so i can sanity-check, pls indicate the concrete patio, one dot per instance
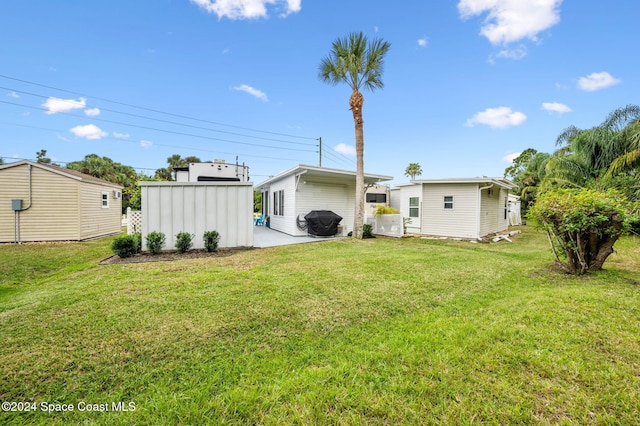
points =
(266, 237)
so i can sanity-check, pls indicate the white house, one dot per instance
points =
(213, 171)
(290, 195)
(459, 208)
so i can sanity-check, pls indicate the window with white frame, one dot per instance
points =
(448, 202)
(105, 200)
(278, 203)
(414, 206)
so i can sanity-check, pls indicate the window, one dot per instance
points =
(414, 207)
(376, 198)
(506, 208)
(448, 202)
(105, 200)
(278, 203)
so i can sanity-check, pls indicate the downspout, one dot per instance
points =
(479, 209)
(29, 206)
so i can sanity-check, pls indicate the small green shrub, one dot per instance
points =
(124, 246)
(184, 241)
(382, 209)
(138, 241)
(155, 241)
(367, 230)
(211, 239)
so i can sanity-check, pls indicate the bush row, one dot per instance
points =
(128, 245)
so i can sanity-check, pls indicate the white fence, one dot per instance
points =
(389, 225)
(133, 221)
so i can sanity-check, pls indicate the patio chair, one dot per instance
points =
(259, 221)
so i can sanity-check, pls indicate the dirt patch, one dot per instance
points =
(170, 256)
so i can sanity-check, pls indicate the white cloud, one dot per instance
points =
(92, 112)
(120, 135)
(497, 118)
(515, 54)
(510, 157)
(13, 95)
(596, 81)
(252, 91)
(90, 131)
(556, 107)
(508, 21)
(345, 149)
(146, 144)
(248, 9)
(422, 42)
(55, 105)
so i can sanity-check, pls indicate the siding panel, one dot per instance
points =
(461, 221)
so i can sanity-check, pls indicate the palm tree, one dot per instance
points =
(413, 170)
(358, 63)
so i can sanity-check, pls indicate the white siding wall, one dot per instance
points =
(287, 222)
(406, 192)
(339, 198)
(492, 211)
(226, 207)
(459, 222)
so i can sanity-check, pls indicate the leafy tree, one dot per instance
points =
(588, 155)
(583, 225)
(106, 169)
(174, 162)
(358, 63)
(1, 160)
(41, 157)
(413, 170)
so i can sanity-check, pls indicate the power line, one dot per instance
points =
(156, 144)
(154, 110)
(160, 120)
(163, 130)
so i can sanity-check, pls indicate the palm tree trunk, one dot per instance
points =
(355, 102)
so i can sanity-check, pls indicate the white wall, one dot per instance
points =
(459, 222)
(414, 225)
(196, 207)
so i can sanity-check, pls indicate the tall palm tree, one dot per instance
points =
(358, 63)
(413, 170)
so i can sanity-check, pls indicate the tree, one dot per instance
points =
(413, 170)
(358, 63)
(106, 169)
(583, 225)
(174, 162)
(41, 157)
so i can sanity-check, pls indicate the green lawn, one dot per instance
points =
(380, 331)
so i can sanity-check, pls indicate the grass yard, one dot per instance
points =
(380, 331)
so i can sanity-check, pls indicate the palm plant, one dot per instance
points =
(413, 170)
(358, 63)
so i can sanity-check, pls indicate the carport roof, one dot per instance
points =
(323, 172)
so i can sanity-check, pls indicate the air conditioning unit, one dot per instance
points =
(117, 194)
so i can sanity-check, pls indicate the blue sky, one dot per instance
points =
(468, 83)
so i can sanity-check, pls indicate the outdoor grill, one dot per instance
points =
(322, 223)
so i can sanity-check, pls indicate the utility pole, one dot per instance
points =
(320, 139)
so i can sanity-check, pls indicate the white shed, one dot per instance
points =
(469, 208)
(196, 207)
(293, 193)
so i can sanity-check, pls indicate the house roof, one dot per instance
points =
(62, 171)
(502, 182)
(323, 172)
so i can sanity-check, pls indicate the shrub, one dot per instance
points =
(382, 209)
(367, 230)
(138, 241)
(155, 241)
(124, 246)
(184, 241)
(211, 239)
(582, 225)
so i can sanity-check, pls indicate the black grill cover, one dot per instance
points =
(322, 223)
